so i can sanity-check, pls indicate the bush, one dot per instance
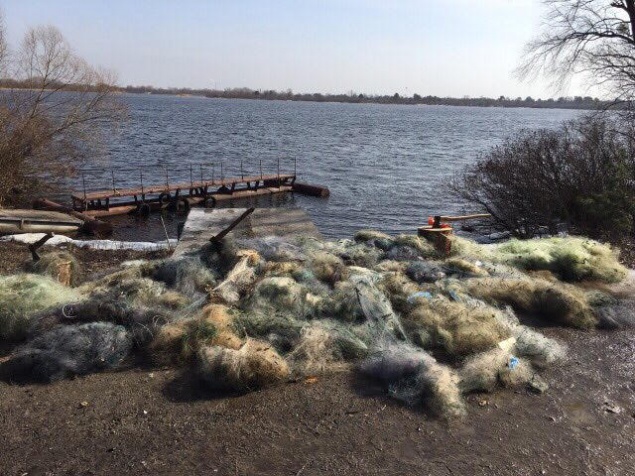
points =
(581, 175)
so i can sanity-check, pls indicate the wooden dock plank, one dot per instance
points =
(37, 221)
(202, 224)
(38, 215)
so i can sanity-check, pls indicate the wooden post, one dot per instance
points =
(65, 273)
(441, 238)
(38, 244)
(217, 238)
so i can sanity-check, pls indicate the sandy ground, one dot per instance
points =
(160, 422)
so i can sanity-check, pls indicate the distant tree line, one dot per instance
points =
(577, 102)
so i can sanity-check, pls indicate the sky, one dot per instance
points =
(430, 47)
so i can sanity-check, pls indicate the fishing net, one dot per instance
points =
(71, 350)
(252, 312)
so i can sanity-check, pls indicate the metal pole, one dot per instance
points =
(242, 176)
(191, 177)
(165, 230)
(295, 166)
(112, 173)
(261, 169)
(167, 180)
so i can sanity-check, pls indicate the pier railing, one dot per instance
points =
(154, 187)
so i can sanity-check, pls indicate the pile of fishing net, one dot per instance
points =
(252, 312)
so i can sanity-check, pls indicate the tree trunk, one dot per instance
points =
(630, 10)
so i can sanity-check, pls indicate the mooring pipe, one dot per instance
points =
(465, 217)
(311, 190)
(91, 225)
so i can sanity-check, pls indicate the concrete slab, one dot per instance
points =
(204, 223)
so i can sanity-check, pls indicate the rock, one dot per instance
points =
(422, 272)
(402, 253)
(538, 385)
(611, 408)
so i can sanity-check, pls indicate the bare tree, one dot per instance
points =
(581, 174)
(54, 120)
(595, 38)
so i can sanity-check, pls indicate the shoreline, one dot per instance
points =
(255, 95)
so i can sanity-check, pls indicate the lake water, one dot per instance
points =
(388, 166)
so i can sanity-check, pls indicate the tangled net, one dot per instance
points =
(260, 311)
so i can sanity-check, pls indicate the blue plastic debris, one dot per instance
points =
(421, 294)
(513, 362)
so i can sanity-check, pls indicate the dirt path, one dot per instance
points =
(161, 422)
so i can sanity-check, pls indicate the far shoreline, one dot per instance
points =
(569, 103)
(556, 106)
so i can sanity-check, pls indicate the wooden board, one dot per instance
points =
(37, 221)
(422, 230)
(39, 215)
(202, 224)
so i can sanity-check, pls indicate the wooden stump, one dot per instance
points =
(440, 237)
(65, 273)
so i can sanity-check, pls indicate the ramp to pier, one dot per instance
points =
(203, 223)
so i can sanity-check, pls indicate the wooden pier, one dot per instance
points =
(181, 196)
